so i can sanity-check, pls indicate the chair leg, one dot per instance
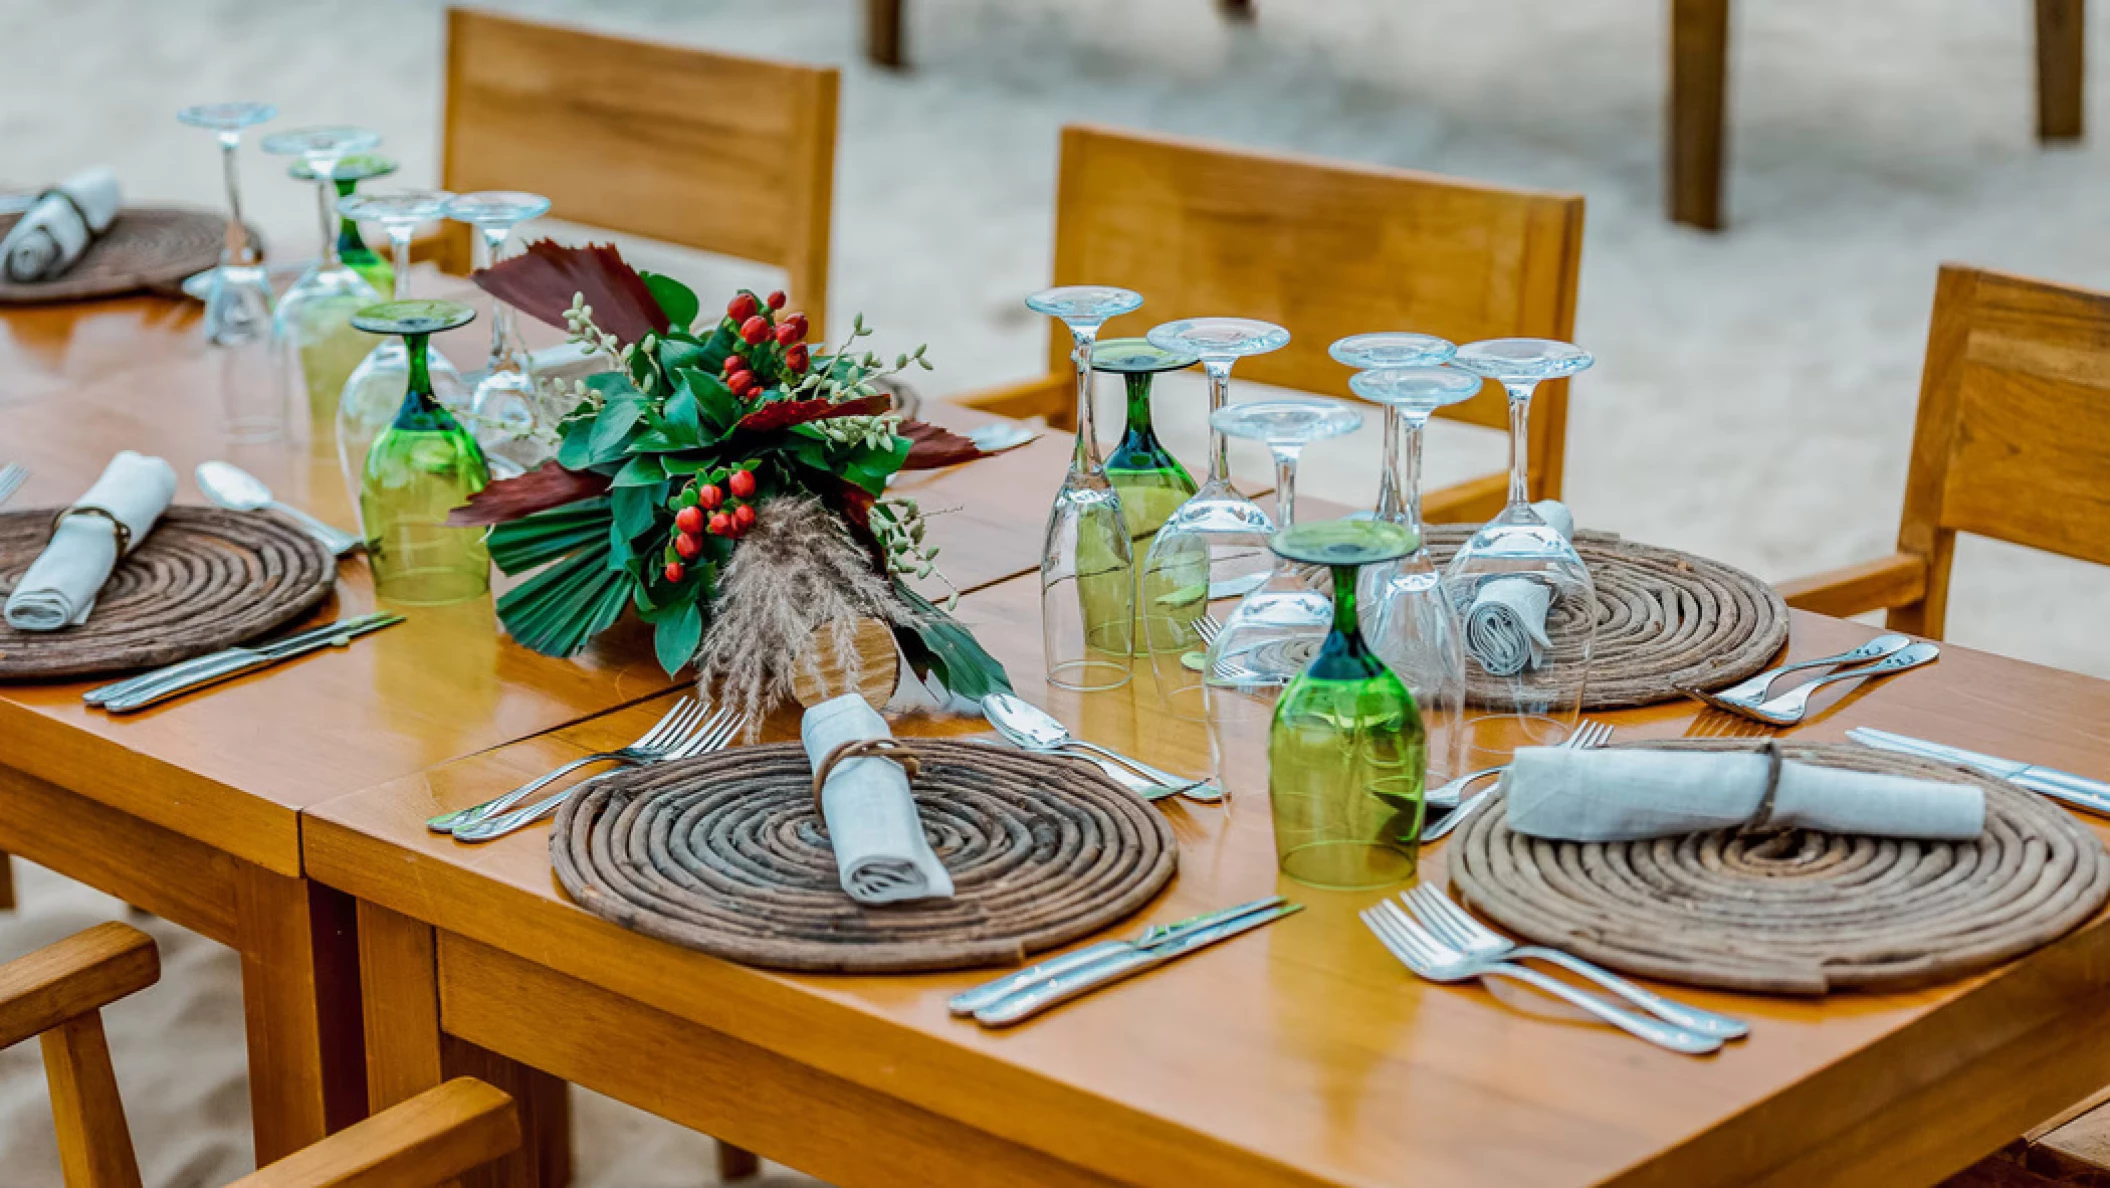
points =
(95, 1146)
(1237, 10)
(883, 34)
(7, 883)
(1699, 80)
(2061, 68)
(737, 1163)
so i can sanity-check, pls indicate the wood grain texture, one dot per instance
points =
(74, 977)
(1694, 149)
(95, 1145)
(2012, 441)
(2062, 68)
(1303, 1054)
(301, 1009)
(1322, 248)
(729, 154)
(429, 1139)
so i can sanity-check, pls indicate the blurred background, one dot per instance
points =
(1753, 398)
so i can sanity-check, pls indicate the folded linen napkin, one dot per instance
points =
(59, 589)
(50, 238)
(1627, 794)
(880, 851)
(1505, 628)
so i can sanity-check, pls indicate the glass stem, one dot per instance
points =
(1345, 621)
(238, 250)
(503, 349)
(1520, 442)
(326, 200)
(1409, 480)
(1086, 459)
(1219, 395)
(1139, 404)
(1391, 503)
(419, 392)
(1285, 485)
(399, 255)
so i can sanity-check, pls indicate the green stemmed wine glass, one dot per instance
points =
(312, 333)
(423, 466)
(351, 246)
(1347, 755)
(1150, 481)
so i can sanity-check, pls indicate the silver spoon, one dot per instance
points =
(1026, 725)
(238, 490)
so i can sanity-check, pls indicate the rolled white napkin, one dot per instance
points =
(1505, 628)
(60, 587)
(880, 852)
(50, 238)
(1627, 794)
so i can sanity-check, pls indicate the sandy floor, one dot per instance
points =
(1753, 399)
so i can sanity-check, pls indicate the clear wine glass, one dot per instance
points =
(238, 299)
(1087, 562)
(375, 389)
(1215, 545)
(502, 405)
(351, 246)
(1523, 593)
(312, 333)
(1412, 625)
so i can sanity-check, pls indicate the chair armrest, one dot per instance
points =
(1472, 502)
(450, 248)
(1897, 580)
(77, 976)
(1053, 397)
(430, 1139)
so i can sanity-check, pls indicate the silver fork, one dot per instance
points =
(1792, 706)
(1589, 734)
(12, 476)
(1456, 927)
(1753, 690)
(712, 736)
(1419, 950)
(1226, 670)
(673, 728)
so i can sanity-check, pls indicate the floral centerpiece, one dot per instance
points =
(726, 481)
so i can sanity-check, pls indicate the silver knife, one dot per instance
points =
(967, 1002)
(118, 689)
(1065, 986)
(2079, 791)
(240, 660)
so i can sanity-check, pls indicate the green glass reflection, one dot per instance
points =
(423, 466)
(352, 249)
(1149, 480)
(1347, 754)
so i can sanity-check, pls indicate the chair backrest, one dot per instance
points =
(2013, 438)
(1324, 249)
(726, 154)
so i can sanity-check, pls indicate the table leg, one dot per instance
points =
(2061, 68)
(883, 34)
(300, 999)
(1699, 68)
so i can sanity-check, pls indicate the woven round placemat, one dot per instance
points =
(725, 853)
(146, 247)
(1795, 911)
(1664, 619)
(202, 580)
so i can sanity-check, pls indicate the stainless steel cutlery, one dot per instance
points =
(236, 489)
(678, 725)
(12, 476)
(147, 689)
(1589, 733)
(1752, 691)
(967, 1002)
(1890, 654)
(1031, 728)
(2063, 786)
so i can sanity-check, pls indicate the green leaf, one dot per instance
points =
(684, 417)
(558, 610)
(676, 300)
(675, 638)
(641, 470)
(681, 352)
(632, 508)
(577, 451)
(938, 645)
(531, 541)
(611, 428)
(717, 409)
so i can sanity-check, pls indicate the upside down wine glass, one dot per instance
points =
(421, 467)
(238, 300)
(1087, 561)
(375, 389)
(1149, 480)
(1410, 621)
(312, 334)
(1525, 597)
(351, 246)
(502, 406)
(1346, 767)
(1215, 545)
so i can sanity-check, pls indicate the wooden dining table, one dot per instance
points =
(193, 809)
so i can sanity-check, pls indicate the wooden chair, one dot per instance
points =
(57, 994)
(726, 154)
(1323, 248)
(2013, 442)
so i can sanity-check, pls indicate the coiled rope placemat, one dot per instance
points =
(726, 853)
(1664, 619)
(202, 580)
(147, 247)
(1794, 911)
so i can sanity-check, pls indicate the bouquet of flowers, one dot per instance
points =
(726, 480)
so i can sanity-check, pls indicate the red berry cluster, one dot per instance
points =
(757, 327)
(719, 511)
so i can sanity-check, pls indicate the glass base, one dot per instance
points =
(1089, 676)
(1348, 865)
(1492, 739)
(432, 586)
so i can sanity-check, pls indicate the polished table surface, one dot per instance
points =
(1300, 1054)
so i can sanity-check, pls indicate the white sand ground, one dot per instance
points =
(1753, 399)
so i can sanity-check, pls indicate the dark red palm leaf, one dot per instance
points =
(931, 448)
(783, 414)
(523, 495)
(542, 281)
